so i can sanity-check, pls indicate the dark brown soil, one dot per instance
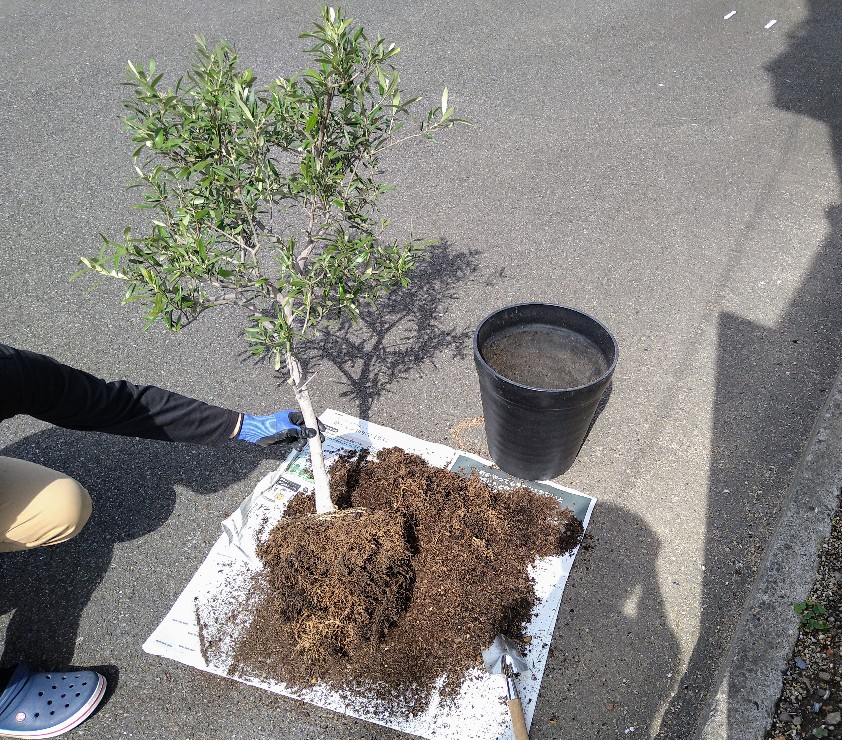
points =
(332, 585)
(412, 589)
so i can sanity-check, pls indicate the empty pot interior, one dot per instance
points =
(546, 346)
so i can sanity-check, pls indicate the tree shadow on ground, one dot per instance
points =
(133, 486)
(770, 385)
(404, 334)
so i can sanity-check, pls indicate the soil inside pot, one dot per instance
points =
(450, 573)
(544, 356)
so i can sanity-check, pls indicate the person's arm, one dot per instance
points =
(41, 387)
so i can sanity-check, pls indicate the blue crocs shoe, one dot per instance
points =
(48, 704)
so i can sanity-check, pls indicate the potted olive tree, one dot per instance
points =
(267, 197)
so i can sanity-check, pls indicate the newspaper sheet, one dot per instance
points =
(478, 712)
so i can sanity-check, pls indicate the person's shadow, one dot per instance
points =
(610, 619)
(133, 486)
(771, 382)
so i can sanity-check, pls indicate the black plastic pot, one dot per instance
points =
(542, 371)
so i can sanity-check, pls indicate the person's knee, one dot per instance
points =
(57, 514)
(73, 508)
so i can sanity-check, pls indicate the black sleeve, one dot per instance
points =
(39, 386)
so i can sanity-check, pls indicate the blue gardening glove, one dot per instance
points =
(282, 426)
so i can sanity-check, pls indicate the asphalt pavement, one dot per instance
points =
(672, 168)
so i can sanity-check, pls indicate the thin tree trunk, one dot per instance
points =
(324, 505)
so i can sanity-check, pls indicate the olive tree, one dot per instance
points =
(267, 197)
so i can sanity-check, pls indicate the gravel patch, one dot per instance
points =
(810, 704)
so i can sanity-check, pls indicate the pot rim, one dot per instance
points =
(602, 378)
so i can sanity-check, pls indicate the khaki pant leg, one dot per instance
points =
(38, 506)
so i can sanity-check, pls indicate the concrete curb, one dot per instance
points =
(750, 677)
